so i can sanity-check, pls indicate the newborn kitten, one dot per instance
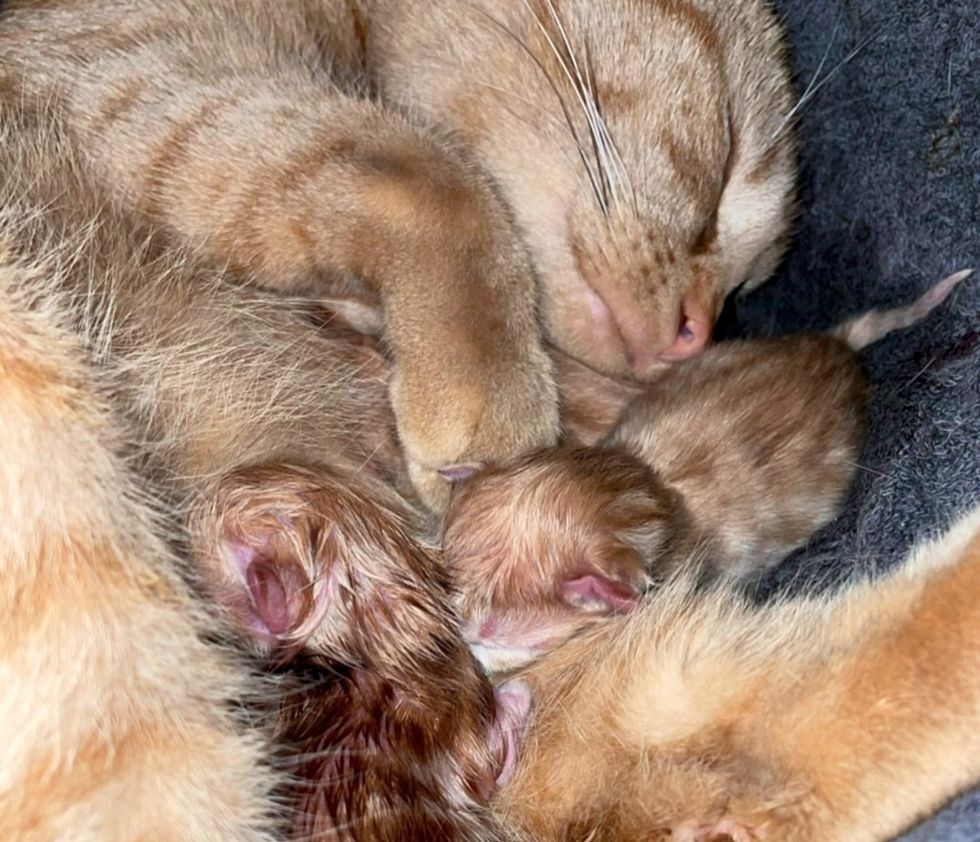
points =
(701, 718)
(729, 462)
(394, 732)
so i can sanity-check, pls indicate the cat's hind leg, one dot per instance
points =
(114, 717)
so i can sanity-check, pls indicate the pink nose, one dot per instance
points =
(644, 355)
(692, 337)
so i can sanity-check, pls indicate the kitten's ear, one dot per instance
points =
(276, 591)
(598, 594)
(612, 581)
(267, 552)
(723, 830)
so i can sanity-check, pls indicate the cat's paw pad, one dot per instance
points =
(451, 426)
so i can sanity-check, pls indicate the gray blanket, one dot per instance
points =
(890, 204)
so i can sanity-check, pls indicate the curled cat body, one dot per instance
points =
(244, 130)
(642, 149)
(165, 418)
(644, 146)
(702, 717)
(727, 464)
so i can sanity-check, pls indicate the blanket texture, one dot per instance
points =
(890, 203)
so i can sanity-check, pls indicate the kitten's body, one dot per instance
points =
(840, 719)
(727, 464)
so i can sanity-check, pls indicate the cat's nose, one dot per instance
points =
(693, 333)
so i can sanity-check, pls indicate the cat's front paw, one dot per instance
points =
(454, 419)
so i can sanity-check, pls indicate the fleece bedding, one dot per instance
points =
(889, 204)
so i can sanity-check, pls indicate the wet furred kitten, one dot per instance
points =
(390, 730)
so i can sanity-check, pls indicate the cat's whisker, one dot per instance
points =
(816, 84)
(595, 179)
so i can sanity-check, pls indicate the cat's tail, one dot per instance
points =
(873, 325)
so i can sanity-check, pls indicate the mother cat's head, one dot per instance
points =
(645, 148)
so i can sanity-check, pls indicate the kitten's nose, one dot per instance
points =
(693, 334)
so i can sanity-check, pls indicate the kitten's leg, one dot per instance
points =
(241, 144)
(114, 725)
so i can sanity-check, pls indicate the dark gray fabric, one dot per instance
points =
(890, 204)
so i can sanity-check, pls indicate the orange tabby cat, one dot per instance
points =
(114, 712)
(246, 130)
(242, 128)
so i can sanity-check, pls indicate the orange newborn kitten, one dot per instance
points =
(731, 461)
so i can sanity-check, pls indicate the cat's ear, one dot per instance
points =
(599, 594)
(275, 591)
(267, 549)
(611, 583)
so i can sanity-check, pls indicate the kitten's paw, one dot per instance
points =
(453, 420)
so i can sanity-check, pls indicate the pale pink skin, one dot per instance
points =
(509, 639)
(513, 711)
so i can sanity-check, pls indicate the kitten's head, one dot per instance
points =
(305, 567)
(549, 545)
